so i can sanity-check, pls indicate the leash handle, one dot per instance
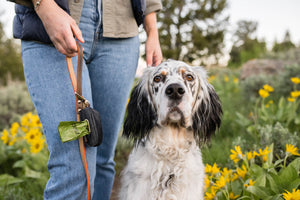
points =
(77, 87)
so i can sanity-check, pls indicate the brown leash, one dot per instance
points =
(77, 87)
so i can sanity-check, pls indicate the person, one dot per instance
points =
(109, 35)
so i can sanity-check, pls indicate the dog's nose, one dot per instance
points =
(175, 91)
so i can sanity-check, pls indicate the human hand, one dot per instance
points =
(60, 26)
(153, 50)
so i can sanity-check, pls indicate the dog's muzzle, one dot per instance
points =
(175, 91)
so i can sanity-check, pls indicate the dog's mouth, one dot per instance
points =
(175, 117)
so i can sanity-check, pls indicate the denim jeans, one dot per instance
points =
(108, 73)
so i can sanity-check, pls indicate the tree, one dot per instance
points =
(246, 46)
(10, 59)
(192, 29)
(285, 45)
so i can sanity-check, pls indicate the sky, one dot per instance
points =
(274, 18)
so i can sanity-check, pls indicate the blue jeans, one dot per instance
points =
(108, 73)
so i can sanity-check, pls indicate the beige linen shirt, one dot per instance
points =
(118, 19)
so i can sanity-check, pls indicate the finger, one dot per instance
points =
(77, 32)
(157, 59)
(149, 58)
(157, 62)
(62, 50)
(70, 43)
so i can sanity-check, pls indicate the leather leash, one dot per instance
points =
(77, 87)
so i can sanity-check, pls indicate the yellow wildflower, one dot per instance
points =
(295, 80)
(236, 154)
(225, 172)
(208, 168)
(5, 136)
(212, 169)
(250, 114)
(215, 169)
(268, 88)
(36, 146)
(250, 155)
(25, 120)
(242, 172)
(235, 80)
(263, 93)
(220, 183)
(267, 105)
(226, 78)
(251, 182)
(234, 176)
(295, 94)
(32, 135)
(209, 196)
(232, 196)
(14, 128)
(290, 99)
(207, 182)
(35, 121)
(295, 195)
(23, 150)
(292, 149)
(211, 78)
(264, 153)
(12, 141)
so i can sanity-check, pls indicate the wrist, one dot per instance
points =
(41, 6)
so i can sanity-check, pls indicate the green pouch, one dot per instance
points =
(70, 130)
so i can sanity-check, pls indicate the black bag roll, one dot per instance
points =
(95, 137)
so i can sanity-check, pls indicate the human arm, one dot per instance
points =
(153, 50)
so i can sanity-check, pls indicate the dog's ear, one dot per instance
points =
(141, 116)
(207, 114)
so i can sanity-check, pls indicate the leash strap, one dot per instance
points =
(77, 87)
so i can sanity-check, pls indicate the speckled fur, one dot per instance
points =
(166, 162)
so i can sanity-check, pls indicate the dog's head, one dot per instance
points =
(173, 94)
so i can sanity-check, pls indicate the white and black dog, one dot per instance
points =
(171, 111)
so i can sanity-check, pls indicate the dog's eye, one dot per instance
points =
(189, 77)
(157, 79)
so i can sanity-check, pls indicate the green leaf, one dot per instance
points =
(242, 120)
(19, 164)
(296, 164)
(236, 187)
(261, 180)
(257, 170)
(273, 185)
(260, 192)
(286, 176)
(294, 184)
(6, 179)
(32, 174)
(276, 197)
(297, 120)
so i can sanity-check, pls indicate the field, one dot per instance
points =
(254, 155)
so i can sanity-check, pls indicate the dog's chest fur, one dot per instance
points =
(167, 166)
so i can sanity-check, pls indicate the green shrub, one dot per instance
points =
(255, 176)
(281, 83)
(14, 101)
(23, 160)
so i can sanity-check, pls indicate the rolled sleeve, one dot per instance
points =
(153, 6)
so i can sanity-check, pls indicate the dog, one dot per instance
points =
(171, 112)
